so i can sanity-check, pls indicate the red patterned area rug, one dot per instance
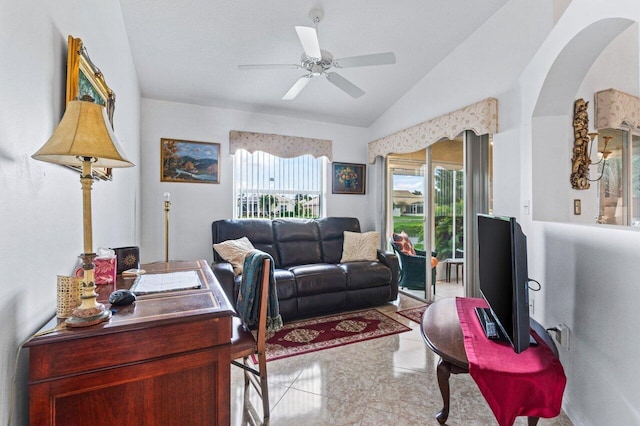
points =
(414, 314)
(315, 334)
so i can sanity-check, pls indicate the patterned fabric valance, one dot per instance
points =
(481, 117)
(614, 107)
(279, 145)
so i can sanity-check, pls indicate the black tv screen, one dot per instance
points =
(503, 276)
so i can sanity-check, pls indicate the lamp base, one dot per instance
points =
(81, 319)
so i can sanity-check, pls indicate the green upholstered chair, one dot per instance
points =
(413, 268)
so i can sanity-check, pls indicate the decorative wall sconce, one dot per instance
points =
(583, 147)
(604, 154)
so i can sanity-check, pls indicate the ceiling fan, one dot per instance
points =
(319, 62)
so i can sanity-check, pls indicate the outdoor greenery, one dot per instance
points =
(270, 207)
(443, 236)
(412, 225)
(444, 205)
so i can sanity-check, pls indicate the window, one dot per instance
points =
(267, 186)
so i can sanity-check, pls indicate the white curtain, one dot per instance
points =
(481, 118)
(280, 145)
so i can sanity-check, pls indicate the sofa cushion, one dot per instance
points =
(332, 236)
(285, 284)
(297, 241)
(366, 274)
(234, 252)
(360, 247)
(322, 304)
(258, 231)
(319, 278)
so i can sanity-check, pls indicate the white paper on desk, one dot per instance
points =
(154, 283)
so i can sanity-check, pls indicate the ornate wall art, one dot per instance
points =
(580, 161)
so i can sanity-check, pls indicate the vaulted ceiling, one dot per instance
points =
(190, 51)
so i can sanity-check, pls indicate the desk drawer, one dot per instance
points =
(126, 346)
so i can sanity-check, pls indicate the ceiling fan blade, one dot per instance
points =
(296, 88)
(366, 60)
(344, 84)
(309, 39)
(269, 67)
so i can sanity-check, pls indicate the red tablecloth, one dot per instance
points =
(527, 384)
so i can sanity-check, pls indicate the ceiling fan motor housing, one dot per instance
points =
(317, 67)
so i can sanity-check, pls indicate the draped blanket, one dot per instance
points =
(527, 384)
(248, 302)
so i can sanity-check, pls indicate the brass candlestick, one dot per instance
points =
(90, 311)
(167, 203)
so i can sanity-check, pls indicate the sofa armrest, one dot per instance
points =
(223, 272)
(390, 260)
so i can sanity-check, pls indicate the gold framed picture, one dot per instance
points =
(189, 161)
(86, 82)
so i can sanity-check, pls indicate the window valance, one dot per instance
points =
(614, 107)
(279, 145)
(481, 118)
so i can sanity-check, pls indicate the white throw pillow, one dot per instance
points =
(360, 246)
(234, 252)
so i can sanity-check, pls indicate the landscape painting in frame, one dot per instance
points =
(189, 161)
(348, 178)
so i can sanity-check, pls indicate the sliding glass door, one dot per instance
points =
(434, 196)
(407, 181)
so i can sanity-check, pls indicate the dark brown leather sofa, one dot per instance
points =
(310, 279)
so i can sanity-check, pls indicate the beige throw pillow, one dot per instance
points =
(360, 246)
(234, 252)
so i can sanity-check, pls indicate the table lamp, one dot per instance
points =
(84, 138)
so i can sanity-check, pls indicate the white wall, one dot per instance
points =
(616, 66)
(195, 206)
(588, 273)
(41, 208)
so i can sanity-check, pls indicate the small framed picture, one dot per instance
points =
(85, 82)
(189, 161)
(348, 178)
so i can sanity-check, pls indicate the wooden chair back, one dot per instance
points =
(263, 306)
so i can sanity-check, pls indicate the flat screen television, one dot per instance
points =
(504, 282)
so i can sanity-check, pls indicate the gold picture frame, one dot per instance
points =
(189, 161)
(86, 82)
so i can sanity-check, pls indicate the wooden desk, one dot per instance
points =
(442, 333)
(162, 361)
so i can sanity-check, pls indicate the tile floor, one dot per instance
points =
(385, 381)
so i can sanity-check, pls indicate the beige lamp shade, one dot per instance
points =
(84, 131)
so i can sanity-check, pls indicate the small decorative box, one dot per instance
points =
(128, 258)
